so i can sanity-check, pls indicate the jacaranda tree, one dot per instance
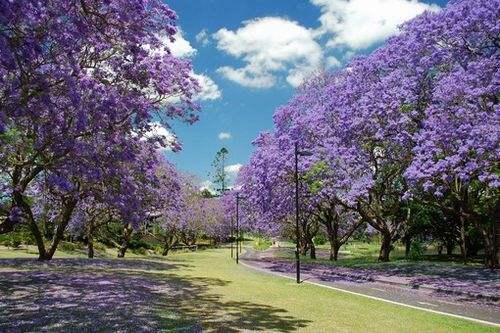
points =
(416, 120)
(80, 85)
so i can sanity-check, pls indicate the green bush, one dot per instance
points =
(21, 235)
(262, 244)
(158, 248)
(14, 241)
(99, 247)
(320, 239)
(140, 251)
(67, 247)
(417, 250)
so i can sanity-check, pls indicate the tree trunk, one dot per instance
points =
(303, 247)
(334, 242)
(492, 241)
(19, 200)
(313, 250)
(490, 251)
(90, 244)
(496, 236)
(407, 246)
(169, 242)
(90, 239)
(463, 240)
(127, 233)
(385, 246)
(334, 251)
(69, 206)
(491, 259)
(449, 248)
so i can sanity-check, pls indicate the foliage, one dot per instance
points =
(320, 239)
(219, 172)
(82, 85)
(417, 250)
(261, 244)
(402, 139)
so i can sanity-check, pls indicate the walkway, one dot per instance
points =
(482, 309)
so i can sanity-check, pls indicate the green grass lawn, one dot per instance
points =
(210, 290)
(365, 255)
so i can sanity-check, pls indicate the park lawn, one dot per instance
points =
(365, 255)
(206, 289)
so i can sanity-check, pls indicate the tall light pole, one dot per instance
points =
(237, 226)
(238, 231)
(231, 237)
(297, 153)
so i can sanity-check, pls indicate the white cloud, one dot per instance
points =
(247, 77)
(359, 24)
(269, 46)
(233, 169)
(202, 37)
(157, 131)
(225, 136)
(332, 62)
(207, 185)
(181, 47)
(209, 89)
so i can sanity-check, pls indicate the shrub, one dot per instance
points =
(99, 247)
(262, 244)
(320, 239)
(14, 241)
(67, 247)
(417, 250)
(140, 251)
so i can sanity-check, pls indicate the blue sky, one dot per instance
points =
(251, 55)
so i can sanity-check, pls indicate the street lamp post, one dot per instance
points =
(237, 226)
(231, 237)
(297, 235)
(239, 246)
(297, 153)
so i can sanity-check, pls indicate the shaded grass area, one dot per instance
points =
(365, 255)
(189, 292)
(31, 251)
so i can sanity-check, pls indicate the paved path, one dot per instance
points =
(479, 309)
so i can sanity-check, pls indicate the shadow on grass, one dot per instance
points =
(111, 295)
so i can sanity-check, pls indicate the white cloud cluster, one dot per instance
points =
(207, 185)
(273, 46)
(225, 136)
(332, 62)
(158, 131)
(269, 46)
(358, 24)
(209, 89)
(202, 37)
(182, 48)
(233, 169)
